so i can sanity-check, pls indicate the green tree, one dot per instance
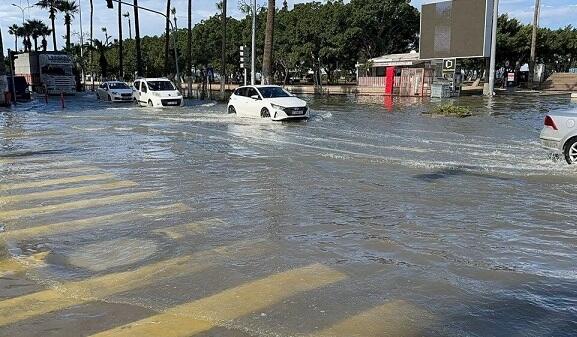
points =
(52, 7)
(69, 8)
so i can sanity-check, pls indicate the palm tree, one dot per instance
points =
(120, 55)
(90, 58)
(52, 6)
(45, 31)
(167, 38)
(13, 30)
(36, 27)
(27, 32)
(137, 39)
(268, 43)
(69, 8)
(100, 47)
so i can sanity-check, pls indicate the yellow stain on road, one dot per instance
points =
(66, 192)
(73, 293)
(10, 266)
(58, 181)
(395, 318)
(181, 231)
(202, 315)
(74, 205)
(98, 221)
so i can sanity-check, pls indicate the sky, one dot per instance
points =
(554, 14)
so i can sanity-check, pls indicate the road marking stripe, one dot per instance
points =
(202, 315)
(57, 181)
(73, 205)
(66, 192)
(395, 318)
(180, 231)
(53, 173)
(53, 164)
(103, 220)
(73, 293)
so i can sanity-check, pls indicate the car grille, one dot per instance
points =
(171, 102)
(126, 95)
(296, 111)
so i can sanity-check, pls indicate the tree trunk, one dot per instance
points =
(223, 56)
(35, 44)
(52, 17)
(167, 39)
(90, 57)
(15, 42)
(268, 43)
(120, 54)
(137, 40)
(67, 23)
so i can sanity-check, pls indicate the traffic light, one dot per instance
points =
(109, 4)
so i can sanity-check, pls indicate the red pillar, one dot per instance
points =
(390, 80)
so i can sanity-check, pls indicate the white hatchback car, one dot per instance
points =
(559, 134)
(156, 92)
(114, 91)
(267, 101)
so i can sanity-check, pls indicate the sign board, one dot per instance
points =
(510, 77)
(456, 29)
(449, 65)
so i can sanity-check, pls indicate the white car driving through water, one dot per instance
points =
(156, 92)
(114, 91)
(267, 101)
(559, 134)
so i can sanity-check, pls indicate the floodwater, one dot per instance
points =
(370, 219)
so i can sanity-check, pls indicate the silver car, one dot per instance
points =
(559, 134)
(114, 91)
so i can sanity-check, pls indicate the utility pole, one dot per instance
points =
(253, 53)
(223, 61)
(83, 75)
(491, 90)
(120, 51)
(127, 15)
(534, 43)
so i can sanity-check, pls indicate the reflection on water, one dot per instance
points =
(467, 219)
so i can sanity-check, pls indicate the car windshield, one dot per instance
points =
(160, 86)
(118, 85)
(273, 92)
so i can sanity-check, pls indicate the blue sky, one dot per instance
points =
(554, 14)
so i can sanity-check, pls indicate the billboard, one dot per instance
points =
(456, 29)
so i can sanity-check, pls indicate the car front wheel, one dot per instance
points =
(231, 110)
(150, 105)
(264, 113)
(571, 151)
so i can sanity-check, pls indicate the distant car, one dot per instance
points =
(22, 88)
(114, 91)
(156, 92)
(559, 134)
(267, 101)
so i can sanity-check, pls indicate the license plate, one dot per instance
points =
(172, 103)
(298, 112)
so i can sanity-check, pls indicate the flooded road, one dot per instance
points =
(367, 220)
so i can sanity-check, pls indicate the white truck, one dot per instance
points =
(50, 72)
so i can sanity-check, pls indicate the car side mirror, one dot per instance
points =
(255, 97)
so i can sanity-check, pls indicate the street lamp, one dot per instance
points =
(22, 9)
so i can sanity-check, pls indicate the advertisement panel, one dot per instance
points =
(456, 29)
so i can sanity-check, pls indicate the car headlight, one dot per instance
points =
(277, 107)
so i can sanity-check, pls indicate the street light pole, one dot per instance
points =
(253, 53)
(534, 43)
(166, 18)
(22, 9)
(493, 61)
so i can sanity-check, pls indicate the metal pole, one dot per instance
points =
(13, 73)
(491, 91)
(534, 43)
(175, 28)
(223, 56)
(253, 53)
(81, 44)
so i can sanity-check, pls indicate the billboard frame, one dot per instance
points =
(487, 28)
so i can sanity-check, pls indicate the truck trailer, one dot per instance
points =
(46, 72)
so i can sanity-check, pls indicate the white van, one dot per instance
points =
(156, 92)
